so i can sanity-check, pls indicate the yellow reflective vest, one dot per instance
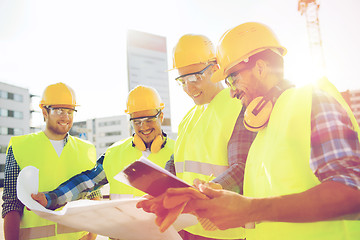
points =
(36, 150)
(278, 164)
(201, 148)
(120, 155)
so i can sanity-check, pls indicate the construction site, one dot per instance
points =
(180, 120)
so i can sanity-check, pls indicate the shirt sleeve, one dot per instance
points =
(238, 148)
(335, 147)
(170, 165)
(12, 169)
(78, 186)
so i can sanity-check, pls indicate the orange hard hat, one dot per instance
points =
(193, 49)
(240, 43)
(58, 94)
(143, 98)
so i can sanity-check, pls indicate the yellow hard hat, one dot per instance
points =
(58, 94)
(240, 43)
(143, 98)
(192, 49)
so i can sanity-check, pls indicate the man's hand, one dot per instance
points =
(167, 207)
(213, 185)
(40, 198)
(225, 209)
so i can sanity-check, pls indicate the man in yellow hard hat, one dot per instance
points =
(56, 154)
(211, 137)
(145, 107)
(302, 174)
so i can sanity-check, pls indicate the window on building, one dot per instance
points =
(18, 115)
(109, 123)
(3, 148)
(18, 97)
(113, 133)
(10, 131)
(10, 113)
(3, 112)
(108, 144)
(3, 131)
(10, 96)
(18, 131)
(3, 94)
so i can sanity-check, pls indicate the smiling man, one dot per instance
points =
(56, 154)
(302, 174)
(145, 109)
(211, 137)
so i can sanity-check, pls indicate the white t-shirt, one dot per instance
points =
(58, 146)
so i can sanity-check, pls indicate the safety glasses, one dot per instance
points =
(232, 79)
(140, 120)
(192, 77)
(62, 111)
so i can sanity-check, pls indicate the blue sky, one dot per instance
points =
(83, 43)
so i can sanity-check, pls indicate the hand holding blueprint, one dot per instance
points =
(113, 218)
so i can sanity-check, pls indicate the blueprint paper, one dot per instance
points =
(113, 218)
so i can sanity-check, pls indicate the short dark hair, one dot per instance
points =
(275, 61)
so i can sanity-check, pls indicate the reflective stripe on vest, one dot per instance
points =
(278, 164)
(37, 232)
(200, 168)
(121, 154)
(48, 232)
(114, 196)
(36, 150)
(201, 148)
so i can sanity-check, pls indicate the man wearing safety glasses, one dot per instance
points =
(211, 138)
(57, 155)
(145, 109)
(302, 174)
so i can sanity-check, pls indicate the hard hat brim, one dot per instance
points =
(218, 75)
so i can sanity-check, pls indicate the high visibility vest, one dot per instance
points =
(278, 164)
(36, 150)
(201, 148)
(120, 155)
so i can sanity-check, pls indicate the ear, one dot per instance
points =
(45, 114)
(161, 117)
(215, 67)
(261, 69)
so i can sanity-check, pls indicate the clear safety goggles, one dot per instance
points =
(60, 111)
(232, 79)
(192, 77)
(140, 120)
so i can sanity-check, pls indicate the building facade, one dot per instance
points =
(102, 132)
(148, 65)
(14, 118)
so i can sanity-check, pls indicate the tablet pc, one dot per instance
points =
(149, 177)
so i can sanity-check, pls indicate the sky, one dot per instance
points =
(83, 43)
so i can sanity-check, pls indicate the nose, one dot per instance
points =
(189, 86)
(232, 93)
(65, 115)
(144, 125)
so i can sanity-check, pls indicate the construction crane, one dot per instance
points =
(310, 9)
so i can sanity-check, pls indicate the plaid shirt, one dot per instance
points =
(12, 169)
(335, 147)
